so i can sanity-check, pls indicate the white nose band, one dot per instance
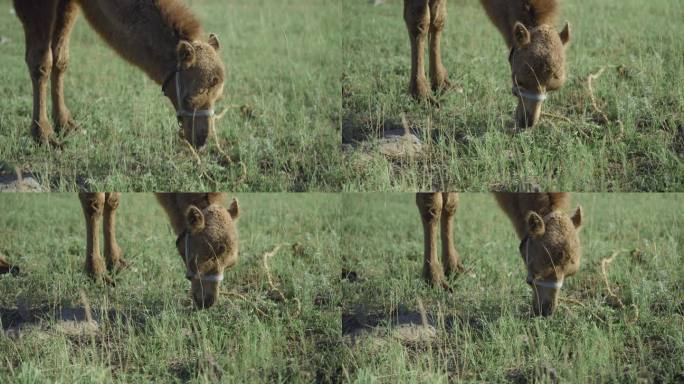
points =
(547, 283)
(525, 94)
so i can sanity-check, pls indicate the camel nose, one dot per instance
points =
(205, 301)
(527, 114)
(197, 131)
(544, 309)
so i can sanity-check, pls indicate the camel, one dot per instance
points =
(207, 237)
(6, 267)
(549, 240)
(537, 51)
(161, 37)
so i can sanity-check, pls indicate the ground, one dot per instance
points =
(144, 329)
(483, 331)
(282, 94)
(632, 141)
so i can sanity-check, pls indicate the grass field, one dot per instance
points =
(145, 329)
(468, 142)
(282, 95)
(483, 331)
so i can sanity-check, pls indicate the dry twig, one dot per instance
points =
(621, 305)
(602, 116)
(272, 285)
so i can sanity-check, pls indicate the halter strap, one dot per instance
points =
(217, 277)
(547, 283)
(180, 112)
(521, 92)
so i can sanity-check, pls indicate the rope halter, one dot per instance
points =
(180, 112)
(190, 275)
(553, 284)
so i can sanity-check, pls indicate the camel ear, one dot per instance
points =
(577, 218)
(521, 35)
(565, 34)
(214, 42)
(186, 54)
(195, 219)
(535, 225)
(234, 209)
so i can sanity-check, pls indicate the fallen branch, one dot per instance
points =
(271, 284)
(604, 263)
(602, 116)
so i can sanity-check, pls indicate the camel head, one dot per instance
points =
(195, 86)
(207, 246)
(537, 66)
(551, 251)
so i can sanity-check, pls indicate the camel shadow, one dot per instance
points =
(71, 320)
(410, 325)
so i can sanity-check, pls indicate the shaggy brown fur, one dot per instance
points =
(550, 245)
(156, 35)
(198, 218)
(6, 267)
(537, 51)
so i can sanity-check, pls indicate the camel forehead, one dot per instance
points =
(545, 54)
(546, 44)
(219, 225)
(208, 60)
(560, 232)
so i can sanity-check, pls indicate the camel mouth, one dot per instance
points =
(195, 131)
(204, 301)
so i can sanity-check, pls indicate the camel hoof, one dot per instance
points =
(67, 126)
(446, 287)
(445, 86)
(117, 266)
(108, 280)
(459, 269)
(42, 132)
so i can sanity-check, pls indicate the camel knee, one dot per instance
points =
(112, 201)
(60, 63)
(430, 206)
(93, 204)
(39, 61)
(438, 16)
(417, 17)
(450, 203)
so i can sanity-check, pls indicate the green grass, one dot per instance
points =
(484, 331)
(282, 92)
(151, 333)
(639, 149)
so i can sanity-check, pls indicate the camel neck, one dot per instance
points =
(177, 204)
(531, 13)
(138, 31)
(516, 206)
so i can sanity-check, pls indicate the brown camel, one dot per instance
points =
(207, 238)
(550, 245)
(6, 267)
(537, 51)
(161, 37)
